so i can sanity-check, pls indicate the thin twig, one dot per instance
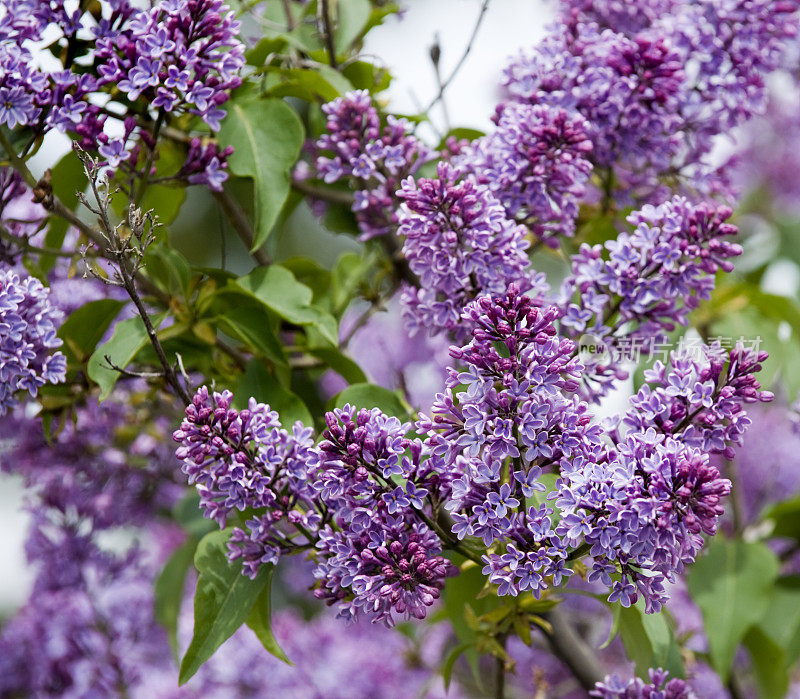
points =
(287, 10)
(151, 156)
(241, 225)
(327, 31)
(128, 257)
(443, 86)
(334, 196)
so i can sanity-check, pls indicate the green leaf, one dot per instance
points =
(781, 621)
(785, 518)
(260, 621)
(258, 383)
(169, 590)
(462, 605)
(321, 82)
(169, 269)
(340, 363)
(266, 136)
(352, 18)
(252, 325)
(223, 601)
(367, 395)
(257, 55)
(649, 640)
(85, 327)
(449, 663)
(129, 337)
(460, 133)
(367, 76)
(277, 289)
(769, 664)
(731, 583)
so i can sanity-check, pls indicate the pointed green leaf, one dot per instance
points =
(168, 592)
(731, 583)
(85, 327)
(266, 136)
(129, 337)
(367, 395)
(277, 288)
(223, 601)
(260, 621)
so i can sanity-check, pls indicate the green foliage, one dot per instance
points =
(367, 395)
(224, 600)
(85, 327)
(732, 583)
(279, 291)
(264, 387)
(129, 338)
(260, 621)
(648, 639)
(267, 136)
(169, 587)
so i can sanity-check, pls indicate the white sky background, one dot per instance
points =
(404, 43)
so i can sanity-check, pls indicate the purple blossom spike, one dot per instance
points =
(373, 158)
(536, 164)
(28, 324)
(460, 243)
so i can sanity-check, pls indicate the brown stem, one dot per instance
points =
(241, 225)
(151, 156)
(572, 650)
(327, 31)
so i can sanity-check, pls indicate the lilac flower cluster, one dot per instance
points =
(627, 18)
(510, 424)
(660, 686)
(460, 243)
(179, 55)
(28, 324)
(628, 90)
(96, 469)
(658, 82)
(241, 459)
(96, 639)
(535, 163)
(700, 399)
(385, 559)
(652, 278)
(642, 511)
(375, 554)
(206, 165)
(373, 159)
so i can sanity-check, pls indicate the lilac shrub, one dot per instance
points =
(375, 557)
(649, 282)
(509, 414)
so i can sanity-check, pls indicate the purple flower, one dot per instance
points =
(460, 243)
(27, 338)
(373, 158)
(613, 687)
(535, 163)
